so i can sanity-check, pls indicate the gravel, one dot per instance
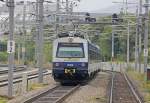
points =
(93, 92)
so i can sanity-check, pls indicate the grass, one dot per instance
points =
(135, 75)
(36, 86)
(3, 100)
(144, 86)
(95, 99)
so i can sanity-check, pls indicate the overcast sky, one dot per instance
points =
(92, 5)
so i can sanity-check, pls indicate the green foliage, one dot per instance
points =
(3, 56)
(102, 40)
(3, 100)
(30, 51)
(3, 46)
(105, 45)
(36, 86)
(48, 52)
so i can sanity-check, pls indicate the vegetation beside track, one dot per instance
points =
(97, 100)
(143, 86)
(36, 86)
(3, 100)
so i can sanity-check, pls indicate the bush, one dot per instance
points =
(3, 56)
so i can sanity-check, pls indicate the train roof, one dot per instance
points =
(71, 34)
(77, 34)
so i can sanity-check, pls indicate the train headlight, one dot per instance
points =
(83, 64)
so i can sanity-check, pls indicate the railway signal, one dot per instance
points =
(89, 18)
(10, 46)
(114, 18)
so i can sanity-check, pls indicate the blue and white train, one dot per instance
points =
(75, 59)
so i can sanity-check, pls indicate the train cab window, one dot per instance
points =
(65, 50)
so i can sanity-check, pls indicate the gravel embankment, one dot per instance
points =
(93, 92)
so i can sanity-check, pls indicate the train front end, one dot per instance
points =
(70, 59)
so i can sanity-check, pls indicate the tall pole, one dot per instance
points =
(146, 36)
(40, 41)
(24, 33)
(124, 10)
(37, 33)
(10, 5)
(71, 10)
(136, 42)
(140, 34)
(128, 45)
(19, 53)
(57, 16)
(126, 7)
(67, 10)
(112, 55)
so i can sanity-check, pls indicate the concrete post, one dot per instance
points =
(11, 6)
(146, 36)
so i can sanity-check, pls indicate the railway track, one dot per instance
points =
(55, 95)
(15, 70)
(4, 69)
(122, 90)
(18, 79)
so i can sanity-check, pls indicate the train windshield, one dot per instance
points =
(70, 50)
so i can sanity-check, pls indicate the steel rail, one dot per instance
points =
(15, 70)
(55, 95)
(132, 89)
(61, 99)
(112, 86)
(134, 93)
(19, 79)
(31, 99)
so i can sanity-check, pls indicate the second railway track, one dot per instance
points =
(55, 95)
(122, 90)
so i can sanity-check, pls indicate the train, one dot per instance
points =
(75, 58)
